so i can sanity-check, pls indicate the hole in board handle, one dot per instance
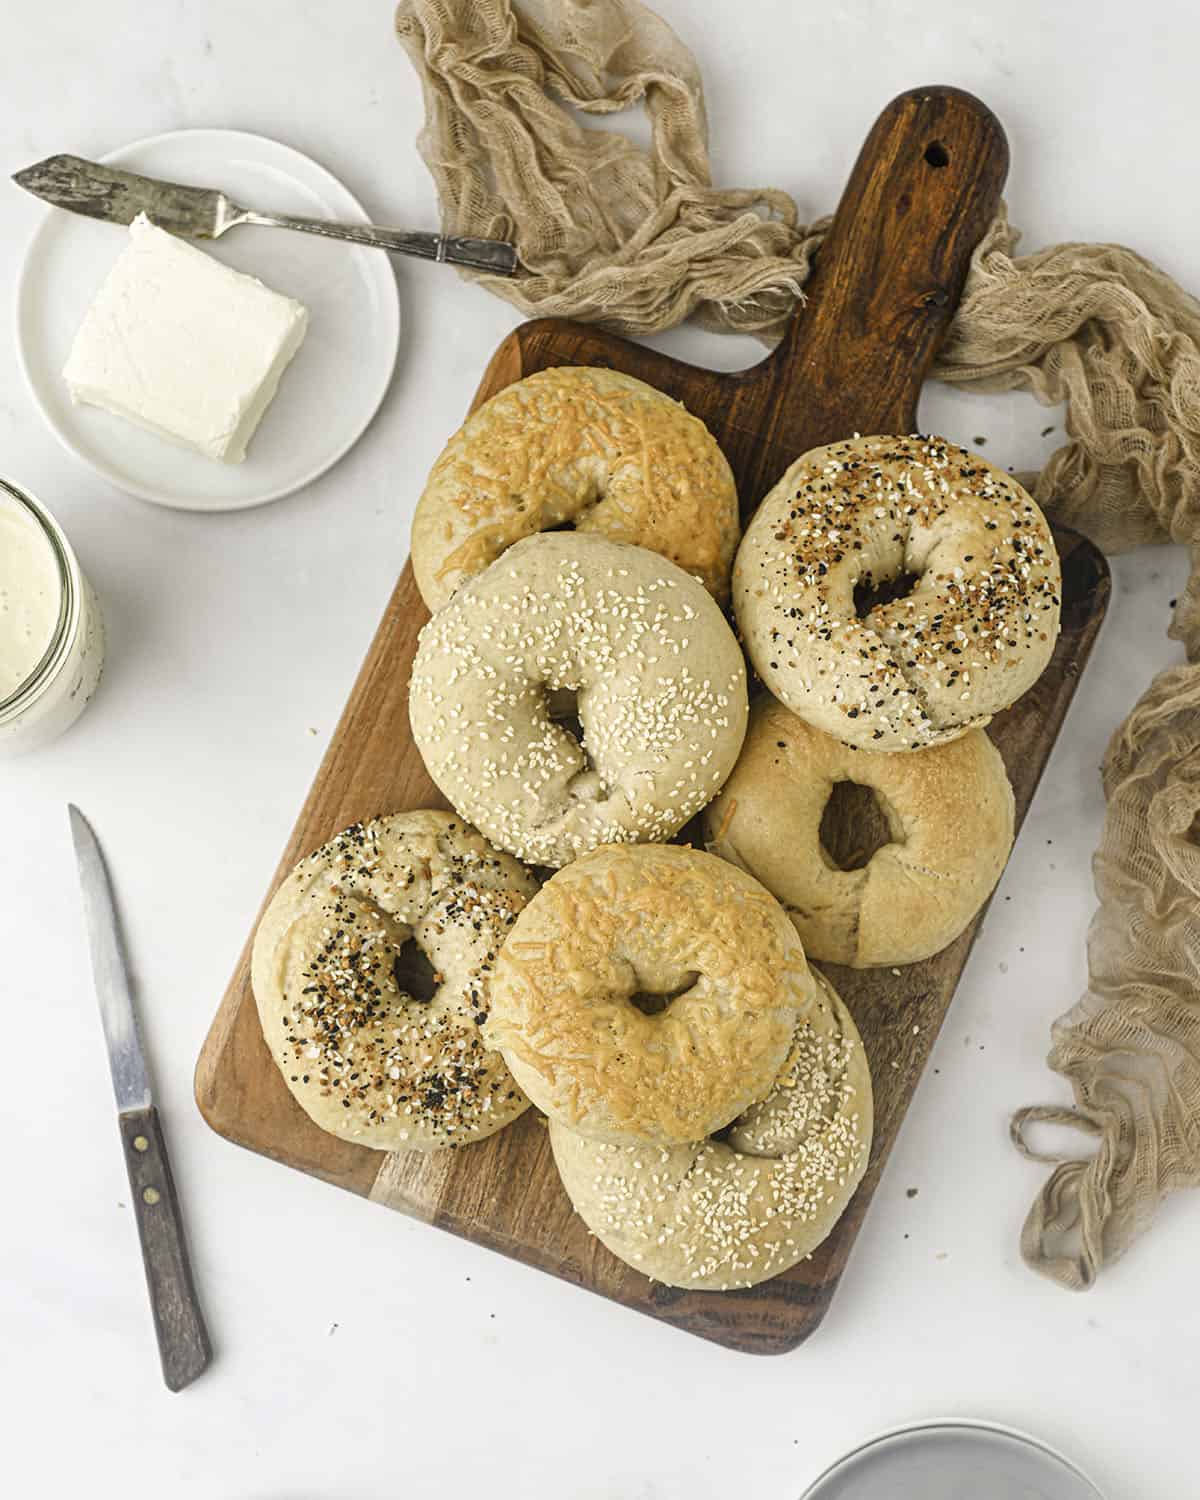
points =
(937, 155)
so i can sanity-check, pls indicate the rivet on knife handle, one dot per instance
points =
(183, 1344)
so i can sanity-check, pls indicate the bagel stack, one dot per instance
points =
(893, 594)
(743, 1039)
(578, 695)
(724, 1215)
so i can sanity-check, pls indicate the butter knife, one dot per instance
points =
(183, 1344)
(100, 192)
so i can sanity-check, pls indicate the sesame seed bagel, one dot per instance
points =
(590, 448)
(949, 813)
(365, 1059)
(722, 962)
(659, 685)
(974, 633)
(720, 1215)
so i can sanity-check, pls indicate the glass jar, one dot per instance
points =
(39, 571)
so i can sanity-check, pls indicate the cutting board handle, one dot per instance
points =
(887, 279)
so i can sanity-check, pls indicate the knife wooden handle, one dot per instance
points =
(183, 1344)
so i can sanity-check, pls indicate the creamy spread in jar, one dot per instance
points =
(30, 595)
(51, 636)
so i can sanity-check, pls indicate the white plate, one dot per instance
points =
(952, 1460)
(327, 395)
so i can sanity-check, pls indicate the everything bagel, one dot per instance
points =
(974, 632)
(363, 1057)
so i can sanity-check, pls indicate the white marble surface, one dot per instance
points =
(358, 1353)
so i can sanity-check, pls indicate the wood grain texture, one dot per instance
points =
(183, 1345)
(925, 186)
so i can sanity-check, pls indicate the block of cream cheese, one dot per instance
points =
(182, 345)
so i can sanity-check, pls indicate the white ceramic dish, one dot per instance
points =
(953, 1460)
(328, 394)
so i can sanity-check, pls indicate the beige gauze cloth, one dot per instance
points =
(639, 239)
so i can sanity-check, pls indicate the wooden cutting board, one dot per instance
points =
(925, 187)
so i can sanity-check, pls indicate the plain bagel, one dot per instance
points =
(570, 1008)
(949, 811)
(719, 1215)
(974, 633)
(659, 685)
(365, 1059)
(588, 448)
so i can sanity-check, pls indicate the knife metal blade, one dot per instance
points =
(126, 1063)
(100, 192)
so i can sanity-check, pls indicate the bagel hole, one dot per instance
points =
(853, 826)
(936, 154)
(567, 525)
(562, 704)
(654, 1002)
(415, 976)
(870, 592)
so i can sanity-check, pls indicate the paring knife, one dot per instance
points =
(182, 1337)
(100, 192)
